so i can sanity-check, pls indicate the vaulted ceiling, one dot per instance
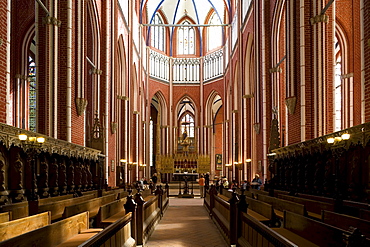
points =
(175, 10)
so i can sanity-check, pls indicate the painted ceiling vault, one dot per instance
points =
(174, 11)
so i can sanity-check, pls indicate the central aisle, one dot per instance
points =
(186, 223)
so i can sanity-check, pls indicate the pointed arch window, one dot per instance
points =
(186, 39)
(214, 34)
(187, 123)
(158, 37)
(338, 88)
(32, 98)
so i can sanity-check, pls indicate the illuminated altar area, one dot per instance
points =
(186, 161)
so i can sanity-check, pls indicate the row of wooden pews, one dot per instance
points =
(305, 221)
(112, 223)
(319, 223)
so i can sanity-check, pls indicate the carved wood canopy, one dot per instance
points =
(9, 137)
(359, 135)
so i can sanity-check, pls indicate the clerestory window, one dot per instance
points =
(214, 34)
(186, 39)
(158, 37)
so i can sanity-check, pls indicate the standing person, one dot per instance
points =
(154, 180)
(256, 182)
(201, 183)
(206, 177)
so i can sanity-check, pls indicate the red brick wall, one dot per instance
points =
(3, 62)
(367, 59)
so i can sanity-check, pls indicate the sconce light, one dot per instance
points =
(123, 161)
(227, 164)
(330, 140)
(22, 137)
(32, 140)
(337, 139)
(248, 160)
(346, 136)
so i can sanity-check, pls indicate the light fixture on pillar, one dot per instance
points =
(32, 147)
(123, 161)
(131, 165)
(248, 160)
(238, 165)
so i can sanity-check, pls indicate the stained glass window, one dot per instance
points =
(186, 39)
(187, 122)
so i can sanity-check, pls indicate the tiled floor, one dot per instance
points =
(186, 224)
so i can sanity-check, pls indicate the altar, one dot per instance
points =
(184, 162)
(181, 176)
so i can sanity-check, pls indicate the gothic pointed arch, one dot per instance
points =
(26, 88)
(282, 102)
(343, 82)
(159, 128)
(89, 89)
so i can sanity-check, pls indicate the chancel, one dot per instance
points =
(219, 123)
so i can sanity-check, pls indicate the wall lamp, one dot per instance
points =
(123, 161)
(337, 139)
(346, 136)
(31, 139)
(248, 160)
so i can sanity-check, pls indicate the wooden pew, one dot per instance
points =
(280, 192)
(313, 207)
(344, 222)
(254, 233)
(317, 198)
(255, 192)
(110, 213)
(17, 227)
(92, 206)
(118, 192)
(116, 234)
(365, 214)
(250, 232)
(5, 217)
(307, 232)
(49, 200)
(280, 205)
(262, 211)
(17, 210)
(67, 232)
(57, 207)
(354, 208)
